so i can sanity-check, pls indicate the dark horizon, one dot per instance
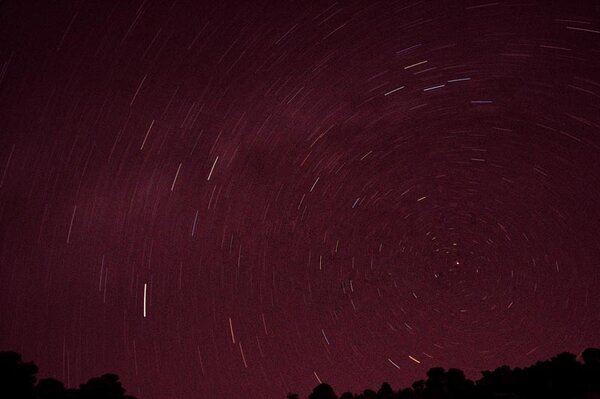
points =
(560, 377)
(279, 193)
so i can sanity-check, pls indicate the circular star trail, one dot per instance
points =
(216, 199)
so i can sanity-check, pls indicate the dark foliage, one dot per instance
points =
(561, 377)
(18, 381)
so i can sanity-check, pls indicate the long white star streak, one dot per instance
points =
(393, 91)
(213, 168)
(325, 336)
(243, 357)
(315, 183)
(138, 90)
(176, 175)
(145, 291)
(434, 87)
(413, 359)
(414, 65)
(146, 137)
(317, 377)
(458, 80)
(395, 365)
(583, 30)
(231, 330)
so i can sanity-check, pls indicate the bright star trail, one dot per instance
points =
(241, 199)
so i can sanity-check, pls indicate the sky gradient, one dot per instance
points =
(217, 199)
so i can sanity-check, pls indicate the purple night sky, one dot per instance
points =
(218, 199)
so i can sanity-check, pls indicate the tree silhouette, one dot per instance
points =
(106, 387)
(385, 392)
(323, 391)
(49, 388)
(561, 377)
(18, 381)
(591, 357)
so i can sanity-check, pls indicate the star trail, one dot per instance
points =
(244, 199)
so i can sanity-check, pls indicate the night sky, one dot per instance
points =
(217, 199)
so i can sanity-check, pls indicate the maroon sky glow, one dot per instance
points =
(245, 198)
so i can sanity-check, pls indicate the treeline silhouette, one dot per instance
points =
(562, 377)
(18, 381)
